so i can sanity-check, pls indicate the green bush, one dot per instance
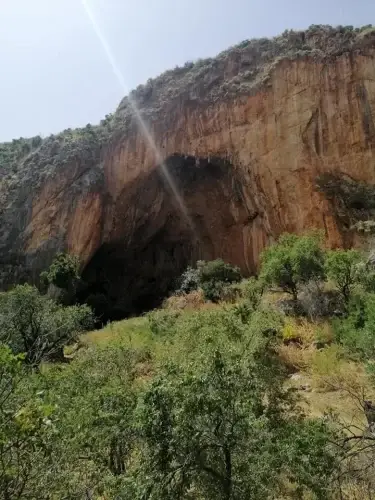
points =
(214, 276)
(35, 325)
(293, 260)
(63, 272)
(218, 270)
(214, 419)
(231, 293)
(243, 310)
(162, 322)
(213, 290)
(95, 402)
(189, 281)
(26, 433)
(343, 268)
(253, 291)
(356, 331)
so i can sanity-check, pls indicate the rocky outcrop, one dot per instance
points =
(266, 138)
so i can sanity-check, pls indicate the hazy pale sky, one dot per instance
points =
(55, 74)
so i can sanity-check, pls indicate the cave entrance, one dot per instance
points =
(122, 282)
(152, 239)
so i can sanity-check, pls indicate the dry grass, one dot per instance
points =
(334, 382)
(295, 357)
(300, 330)
(330, 371)
(298, 350)
(189, 301)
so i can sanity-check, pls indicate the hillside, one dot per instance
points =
(231, 391)
(272, 135)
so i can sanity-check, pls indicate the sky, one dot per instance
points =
(55, 73)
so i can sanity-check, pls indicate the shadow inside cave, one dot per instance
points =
(152, 240)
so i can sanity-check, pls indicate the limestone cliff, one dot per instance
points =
(270, 136)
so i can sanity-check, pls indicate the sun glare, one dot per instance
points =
(141, 122)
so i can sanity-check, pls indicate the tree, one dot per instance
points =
(293, 260)
(343, 268)
(63, 272)
(224, 428)
(35, 325)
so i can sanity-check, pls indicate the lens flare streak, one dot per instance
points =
(142, 124)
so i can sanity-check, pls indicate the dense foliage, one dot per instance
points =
(26, 436)
(38, 327)
(183, 404)
(356, 331)
(344, 269)
(223, 430)
(212, 276)
(293, 261)
(63, 272)
(214, 422)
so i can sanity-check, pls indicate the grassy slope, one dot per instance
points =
(325, 378)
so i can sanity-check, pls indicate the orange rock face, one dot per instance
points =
(314, 118)
(215, 179)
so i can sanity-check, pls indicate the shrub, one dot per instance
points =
(357, 330)
(218, 270)
(318, 303)
(342, 267)
(26, 433)
(231, 293)
(94, 402)
(293, 260)
(253, 291)
(213, 290)
(189, 281)
(33, 324)
(214, 276)
(162, 322)
(243, 310)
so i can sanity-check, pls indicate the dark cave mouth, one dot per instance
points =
(120, 283)
(137, 271)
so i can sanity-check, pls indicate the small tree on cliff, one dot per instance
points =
(64, 274)
(293, 260)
